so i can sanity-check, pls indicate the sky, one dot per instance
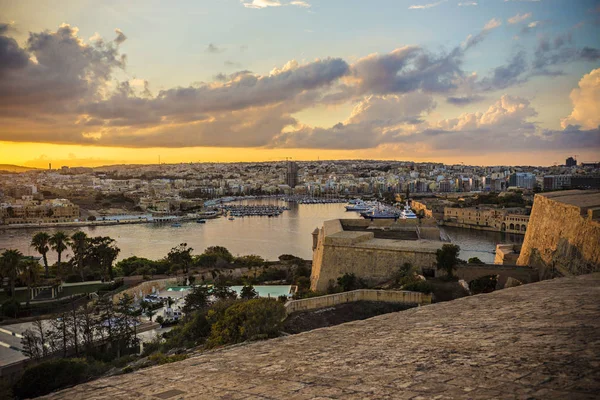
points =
(487, 82)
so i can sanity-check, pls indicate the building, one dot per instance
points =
(291, 174)
(35, 212)
(485, 218)
(585, 182)
(523, 180)
(556, 182)
(571, 162)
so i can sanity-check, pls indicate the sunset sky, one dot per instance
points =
(476, 81)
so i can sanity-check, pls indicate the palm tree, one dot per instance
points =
(10, 265)
(40, 242)
(30, 273)
(59, 242)
(79, 243)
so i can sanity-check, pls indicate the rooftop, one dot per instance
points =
(540, 340)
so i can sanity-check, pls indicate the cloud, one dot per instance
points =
(426, 6)
(560, 50)
(464, 100)
(534, 25)
(120, 36)
(506, 75)
(406, 69)
(518, 18)
(586, 102)
(243, 91)
(212, 48)
(229, 63)
(261, 3)
(504, 126)
(55, 72)
(467, 4)
(492, 24)
(59, 88)
(300, 3)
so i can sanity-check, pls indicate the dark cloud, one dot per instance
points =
(212, 48)
(407, 69)
(560, 50)
(62, 73)
(229, 63)
(506, 75)
(244, 91)
(11, 55)
(464, 100)
(4, 27)
(120, 36)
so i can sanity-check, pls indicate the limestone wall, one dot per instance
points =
(346, 252)
(562, 237)
(387, 296)
(146, 287)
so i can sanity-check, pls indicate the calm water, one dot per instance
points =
(290, 233)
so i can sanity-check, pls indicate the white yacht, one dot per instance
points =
(408, 213)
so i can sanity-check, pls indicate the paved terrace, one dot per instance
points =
(535, 341)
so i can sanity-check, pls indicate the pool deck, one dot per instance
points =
(536, 341)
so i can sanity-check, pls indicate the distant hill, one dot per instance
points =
(14, 168)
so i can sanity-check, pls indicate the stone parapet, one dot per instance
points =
(386, 296)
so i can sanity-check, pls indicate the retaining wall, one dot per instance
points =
(386, 296)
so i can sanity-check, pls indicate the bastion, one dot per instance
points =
(563, 236)
(371, 250)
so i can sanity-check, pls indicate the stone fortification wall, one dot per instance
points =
(375, 260)
(386, 296)
(563, 237)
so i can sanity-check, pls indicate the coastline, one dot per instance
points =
(75, 224)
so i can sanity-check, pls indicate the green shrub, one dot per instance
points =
(10, 308)
(252, 319)
(52, 375)
(419, 286)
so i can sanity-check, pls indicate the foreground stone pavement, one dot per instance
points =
(537, 341)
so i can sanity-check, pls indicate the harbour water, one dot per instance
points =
(269, 237)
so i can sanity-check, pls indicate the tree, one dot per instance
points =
(220, 252)
(251, 260)
(248, 292)
(222, 292)
(150, 313)
(100, 254)
(40, 242)
(79, 243)
(29, 272)
(91, 218)
(10, 267)
(475, 260)
(196, 299)
(59, 242)
(350, 282)
(405, 274)
(181, 256)
(249, 320)
(447, 258)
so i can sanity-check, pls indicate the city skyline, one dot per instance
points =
(476, 82)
